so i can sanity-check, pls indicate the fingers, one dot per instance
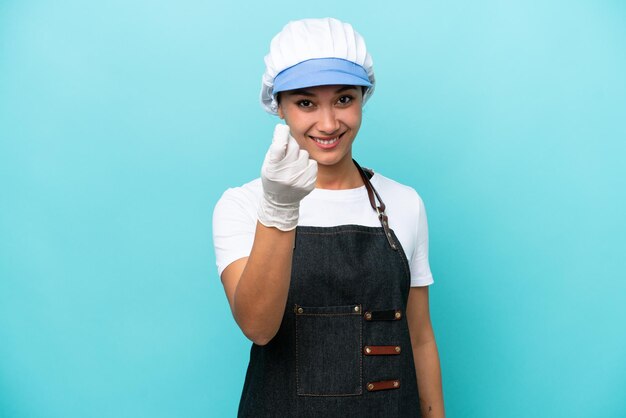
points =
(278, 149)
(288, 175)
(311, 173)
(284, 147)
(293, 150)
(303, 157)
(307, 171)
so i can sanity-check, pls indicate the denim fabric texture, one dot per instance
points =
(314, 366)
(328, 343)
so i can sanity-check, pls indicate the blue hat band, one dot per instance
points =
(321, 72)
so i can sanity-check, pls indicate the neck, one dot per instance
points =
(344, 175)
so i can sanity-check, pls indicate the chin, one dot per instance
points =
(331, 161)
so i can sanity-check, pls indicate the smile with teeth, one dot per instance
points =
(326, 141)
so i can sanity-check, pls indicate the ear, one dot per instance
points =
(281, 114)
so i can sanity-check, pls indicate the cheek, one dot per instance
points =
(297, 123)
(299, 136)
(354, 119)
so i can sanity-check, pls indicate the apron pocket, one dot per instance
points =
(328, 350)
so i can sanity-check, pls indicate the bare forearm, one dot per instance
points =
(261, 294)
(428, 372)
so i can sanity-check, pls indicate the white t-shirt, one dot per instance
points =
(235, 217)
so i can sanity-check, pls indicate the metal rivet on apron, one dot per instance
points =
(370, 386)
(357, 309)
(398, 315)
(368, 350)
(396, 384)
(368, 316)
(397, 349)
(300, 310)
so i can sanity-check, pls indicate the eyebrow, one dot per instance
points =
(304, 92)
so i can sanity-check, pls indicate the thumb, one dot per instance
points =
(278, 149)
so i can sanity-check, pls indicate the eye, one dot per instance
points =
(345, 100)
(304, 103)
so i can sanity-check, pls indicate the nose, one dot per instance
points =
(328, 122)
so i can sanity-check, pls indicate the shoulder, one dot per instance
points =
(393, 191)
(234, 222)
(404, 205)
(407, 217)
(245, 194)
(236, 201)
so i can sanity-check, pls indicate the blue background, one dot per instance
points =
(122, 122)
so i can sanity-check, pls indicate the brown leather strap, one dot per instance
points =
(371, 192)
(383, 385)
(365, 175)
(381, 350)
(380, 209)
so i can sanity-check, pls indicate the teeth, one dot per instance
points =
(326, 142)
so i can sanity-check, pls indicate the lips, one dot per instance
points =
(326, 142)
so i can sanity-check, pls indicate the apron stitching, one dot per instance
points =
(405, 261)
(360, 391)
(297, 362)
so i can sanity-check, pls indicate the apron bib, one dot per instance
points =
(343, 348)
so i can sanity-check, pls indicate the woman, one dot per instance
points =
(313, 262)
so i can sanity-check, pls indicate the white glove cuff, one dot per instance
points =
(283, 217)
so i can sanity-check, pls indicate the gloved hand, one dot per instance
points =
(288, 175)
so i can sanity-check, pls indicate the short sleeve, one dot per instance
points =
(234, 225)
(420, 267)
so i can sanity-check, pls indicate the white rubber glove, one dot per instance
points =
(288, 175)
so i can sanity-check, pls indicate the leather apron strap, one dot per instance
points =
(380, 208)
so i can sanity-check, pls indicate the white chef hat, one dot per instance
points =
(315, 52)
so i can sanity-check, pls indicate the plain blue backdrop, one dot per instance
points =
(122, 122)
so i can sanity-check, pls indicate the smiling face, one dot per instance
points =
(324, 120)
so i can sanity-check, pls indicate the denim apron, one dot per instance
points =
(343, 348)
